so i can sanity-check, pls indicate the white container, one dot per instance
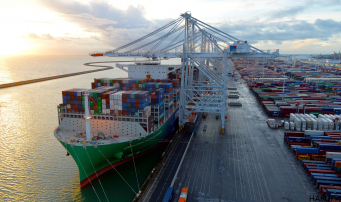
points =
(330, 155)
(314, 133)
(115, 106)
(319, 124)
(314, 124)
(309, 123)
(119, 107)
(304, 124)
(325, 124)
(292, 126)
(298, 124)
(286, 125)
(312, 116)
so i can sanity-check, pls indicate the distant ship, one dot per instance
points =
(119, 118)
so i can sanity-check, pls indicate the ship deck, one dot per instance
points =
(249, 162)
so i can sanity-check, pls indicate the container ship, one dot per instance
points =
(119, 119)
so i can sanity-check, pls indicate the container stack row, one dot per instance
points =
(320, 156)
(279, 102)
(302, 122)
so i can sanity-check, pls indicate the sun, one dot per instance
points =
(11, 32)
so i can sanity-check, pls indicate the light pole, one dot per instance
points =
(283, 86)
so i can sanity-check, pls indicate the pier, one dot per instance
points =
(91, 64)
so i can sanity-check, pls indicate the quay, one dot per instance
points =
(249, 162)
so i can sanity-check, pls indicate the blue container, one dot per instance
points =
(313, 175)
(307, 150)
(298, 139)
(325, 178)
(317, 167)
(327, 182)
(319, 137)
(329, 147)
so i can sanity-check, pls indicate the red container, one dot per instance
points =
(309, 164)
(320, 171)
(321, 187)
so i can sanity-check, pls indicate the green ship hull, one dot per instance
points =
(92, 161)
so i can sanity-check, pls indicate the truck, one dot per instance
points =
(272, 123)
(217, 116)
(204, 115)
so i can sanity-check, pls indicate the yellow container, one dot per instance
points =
(303, 157)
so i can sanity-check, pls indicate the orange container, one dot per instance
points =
(185, 190)
(182, 200)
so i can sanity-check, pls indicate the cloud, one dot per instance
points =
(42, 36)
(98, 11)
(287, 12)
(283, 31)
(104, 23)
(106, 27)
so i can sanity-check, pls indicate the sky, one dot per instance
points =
(72, 27)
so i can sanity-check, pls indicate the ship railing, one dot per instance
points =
(104, 117)
(147, 62)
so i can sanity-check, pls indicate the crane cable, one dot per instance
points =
(170, 32)
(70, 173)
(87, 176)
(160, 38)
(148, 35)
(117, 171)
(97, 175)
(131, 149)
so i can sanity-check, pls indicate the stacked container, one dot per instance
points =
(133, 101)
(158, 105)
(73, 102)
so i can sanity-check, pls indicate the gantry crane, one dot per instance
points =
(205, 52)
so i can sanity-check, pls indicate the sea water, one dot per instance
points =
(33, 164)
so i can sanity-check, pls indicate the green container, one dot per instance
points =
(92, 103)
(111, 81)
(99, 108)
(143, 85)
(96, 111)
(94, 94)
(83, 107)
(99, 104)
(83, 99)
(315, 113)
(99, 99)
(102, 80)
(137, 81)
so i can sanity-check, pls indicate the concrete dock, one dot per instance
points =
(249, 162)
